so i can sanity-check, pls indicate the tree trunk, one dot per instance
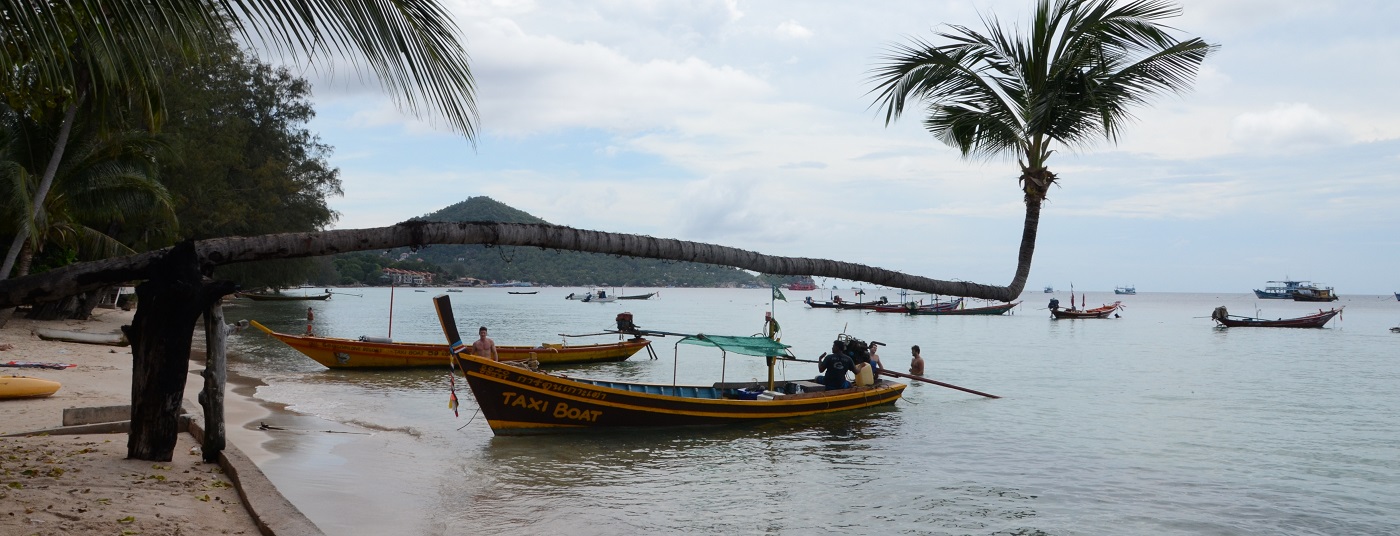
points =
(60, 309)
(160, 335)
(1028, 232)
(26, 258)
(42, 192)
(78, 277)
(90, 301)
(215, 377)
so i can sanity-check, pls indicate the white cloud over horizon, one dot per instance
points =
(747, 124)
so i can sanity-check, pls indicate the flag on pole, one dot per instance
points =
(778, 293)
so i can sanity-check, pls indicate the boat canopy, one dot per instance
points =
(754, 346)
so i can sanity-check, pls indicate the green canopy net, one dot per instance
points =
(755, 346)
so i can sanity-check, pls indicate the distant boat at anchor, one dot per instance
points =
(1130, 289)
(1288, 290)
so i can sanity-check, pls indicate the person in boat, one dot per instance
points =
(916, 365)
(875, 357)
(834, 367)
(484, 346)
(771, 327)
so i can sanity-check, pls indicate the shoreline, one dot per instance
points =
(51, 487)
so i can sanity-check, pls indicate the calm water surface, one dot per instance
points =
(1153, 423)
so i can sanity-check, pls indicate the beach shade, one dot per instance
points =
(754, 346)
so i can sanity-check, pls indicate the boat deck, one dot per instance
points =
(687, 391)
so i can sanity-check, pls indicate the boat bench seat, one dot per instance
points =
(807, 387)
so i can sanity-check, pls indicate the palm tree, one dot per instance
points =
(106, 180)
(1069, 81)
(59, 57)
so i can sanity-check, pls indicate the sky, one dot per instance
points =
(751, 125)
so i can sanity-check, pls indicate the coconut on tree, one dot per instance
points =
(1068, 81)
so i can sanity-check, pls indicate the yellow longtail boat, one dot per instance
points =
(379, 353)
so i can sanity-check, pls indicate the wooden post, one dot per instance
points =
(161, 333)
(215, 376)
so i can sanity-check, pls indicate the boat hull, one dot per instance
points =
(991, 310)
(1097, 312)
(348, 353)
(1311, 321)
(1329, 297)
(274, 297)
(26, 387)
(109, 339)
(519, 401)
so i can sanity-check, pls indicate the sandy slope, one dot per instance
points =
(84, 484)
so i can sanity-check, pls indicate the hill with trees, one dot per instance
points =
(543, 267)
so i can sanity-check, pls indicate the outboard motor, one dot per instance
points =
(625, 324)
(1054, 304)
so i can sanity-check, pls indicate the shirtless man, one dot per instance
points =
(485, 347)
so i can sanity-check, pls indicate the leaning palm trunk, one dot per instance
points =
(219, 251)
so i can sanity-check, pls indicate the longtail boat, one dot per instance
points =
(368, 352)
(987, 311)
(1097, 312)
(285, 297)
(916, 308)
(646, 296)
(1223, 317)
(517, 400)
(839, 304)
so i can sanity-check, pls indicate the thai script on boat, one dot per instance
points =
(557, 388)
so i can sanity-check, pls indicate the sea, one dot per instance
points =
(1153, 422)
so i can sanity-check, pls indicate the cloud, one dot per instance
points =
(533, 84)
(1287, 127)
(792, 30)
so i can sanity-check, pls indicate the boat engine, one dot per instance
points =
(1219, 314)
(625, 324)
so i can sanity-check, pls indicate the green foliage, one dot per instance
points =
(245, 164)
(1070, 77)
(104, 200)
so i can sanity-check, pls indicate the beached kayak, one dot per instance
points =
(26, 387)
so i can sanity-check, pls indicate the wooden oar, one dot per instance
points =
(903, 375)
(935, 382)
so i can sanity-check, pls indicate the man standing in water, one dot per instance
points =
(485, 347)
(916, 365)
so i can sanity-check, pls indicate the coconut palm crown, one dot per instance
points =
(1070, 79)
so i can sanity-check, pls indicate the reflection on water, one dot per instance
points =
(1153, 423)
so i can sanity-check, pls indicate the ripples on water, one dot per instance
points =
(1154, 423)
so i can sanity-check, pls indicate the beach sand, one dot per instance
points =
(83, 484)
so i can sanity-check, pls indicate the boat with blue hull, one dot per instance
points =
(1282, 290)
